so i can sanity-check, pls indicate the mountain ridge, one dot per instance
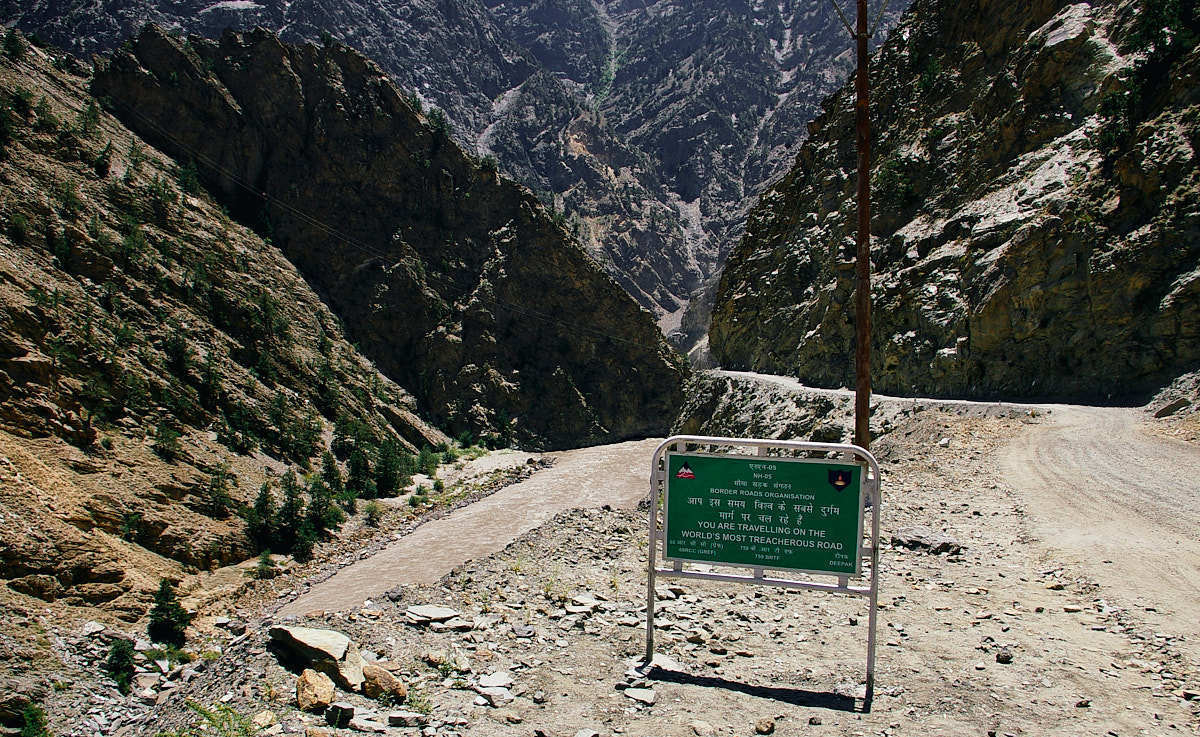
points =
(1034, 204)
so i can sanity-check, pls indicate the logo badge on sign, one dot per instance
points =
(839, 478)
(685, 472)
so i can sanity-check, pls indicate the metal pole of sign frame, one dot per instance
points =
(871, 487)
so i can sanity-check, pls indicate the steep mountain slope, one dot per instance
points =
(457, 282)
(1036, 209)
(651, 125)
(148, 344)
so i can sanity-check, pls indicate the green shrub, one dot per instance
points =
(374, 513)
(438, 121)
(67, 194)
(893, 187)
(188, 178)
(930, 75)
(119, 664)
(22, 101)
(136, 157)
(265, 568)
(44, 118)
(168, 620)
(88, 119)
(211, 382)
(132, 527)
(14, 45)
(166, 442)
(103, 163)
(33, 721)
(178, 350)
(6, 128)
(219, 721)
(163, 200)
(18, 228)
(427, 461)
(305, 540)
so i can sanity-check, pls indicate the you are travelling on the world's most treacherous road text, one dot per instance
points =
(795, 514)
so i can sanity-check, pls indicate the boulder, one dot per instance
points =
(314, 691)
(496, 695)
(378, 682)
(924, 538)
(327, 651)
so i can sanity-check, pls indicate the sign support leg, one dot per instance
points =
(873, 599)
(653, 527)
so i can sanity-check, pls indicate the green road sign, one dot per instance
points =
(781, 513)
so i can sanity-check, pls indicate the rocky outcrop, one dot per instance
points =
(1034, 213)
(148, 345)
(456, 282)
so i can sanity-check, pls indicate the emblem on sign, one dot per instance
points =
(839, 479)
(686, 473)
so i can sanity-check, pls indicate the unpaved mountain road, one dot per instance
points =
(1103, 493)
(1119, 502)
(616, 475)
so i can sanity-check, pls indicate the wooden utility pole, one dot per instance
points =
(862, 295)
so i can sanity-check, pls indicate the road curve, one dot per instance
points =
(1119, 502)
(615, 474)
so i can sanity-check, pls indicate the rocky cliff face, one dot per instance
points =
(455, 281)
(1035, 211)
(650, 125)
(147, 343)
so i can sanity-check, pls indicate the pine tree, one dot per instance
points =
(427, 461)
(260, 520)
(323, 514)
(358, 479)
(168, 620)
(217, 491)
(387, 468)
(306, 538)
(291, 511)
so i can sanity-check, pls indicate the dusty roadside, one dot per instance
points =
(1005, 636)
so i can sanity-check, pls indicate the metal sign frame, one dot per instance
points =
(870, 490)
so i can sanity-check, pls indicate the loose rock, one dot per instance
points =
(314, 691)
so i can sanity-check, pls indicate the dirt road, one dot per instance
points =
(1119, 502)
(588, 477)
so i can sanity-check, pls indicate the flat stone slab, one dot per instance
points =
(426, 613)
(406, 719)
(501, 679)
